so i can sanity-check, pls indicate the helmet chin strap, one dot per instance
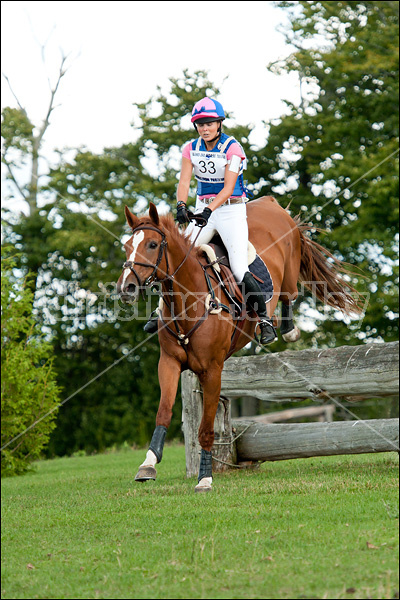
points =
(217, 136)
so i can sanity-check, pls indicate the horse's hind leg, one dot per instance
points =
(289, 292)
(169, 371)
(289, 331)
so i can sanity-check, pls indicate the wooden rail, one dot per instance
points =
(351, 373)
(348, 372)
(322, 413)
(285, 441)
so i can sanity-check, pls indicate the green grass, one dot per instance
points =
(314, 528)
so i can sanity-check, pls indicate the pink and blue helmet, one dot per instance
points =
(207, 110)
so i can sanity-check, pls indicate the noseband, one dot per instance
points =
(153, 276)
(168, 295)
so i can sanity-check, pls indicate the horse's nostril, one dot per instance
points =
(128, 293)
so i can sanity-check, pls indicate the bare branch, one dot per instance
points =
(31, 193)
(14, 94)
(37, 139)
(53, 92)
(13, 179)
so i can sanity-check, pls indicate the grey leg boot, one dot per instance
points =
(255, 299)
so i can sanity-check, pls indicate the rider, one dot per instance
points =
(218, 162)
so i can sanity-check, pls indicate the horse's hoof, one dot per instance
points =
(292, 336)
(202, 489)
(203, 486)
(146, 474)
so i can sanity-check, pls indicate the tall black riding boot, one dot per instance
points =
(254, 297)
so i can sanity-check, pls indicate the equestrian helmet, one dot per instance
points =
(207, 110)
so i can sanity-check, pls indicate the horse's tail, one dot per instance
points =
(324, 275)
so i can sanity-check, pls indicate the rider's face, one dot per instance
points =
(208, 131)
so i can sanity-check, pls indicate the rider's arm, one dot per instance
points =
(184, 181)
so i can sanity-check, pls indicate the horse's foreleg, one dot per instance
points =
(169, 371)
(211, 384)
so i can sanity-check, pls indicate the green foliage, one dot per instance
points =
(335, 156)
(16, 130)
(110, 371)
(29, 393)
(322, 157)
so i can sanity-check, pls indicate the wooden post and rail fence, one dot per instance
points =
(347, 373)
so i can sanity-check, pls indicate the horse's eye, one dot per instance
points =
(153, 245)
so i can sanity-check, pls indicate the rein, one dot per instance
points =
(214, 303)
(152, 278)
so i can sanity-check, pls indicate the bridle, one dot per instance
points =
(152, 278)
(163, 246)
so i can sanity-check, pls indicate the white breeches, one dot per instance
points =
(230, 221)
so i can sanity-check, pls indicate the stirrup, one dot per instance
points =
(268, 333)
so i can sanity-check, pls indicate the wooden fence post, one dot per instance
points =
(224, 451)
(348, 372)
(192, 404)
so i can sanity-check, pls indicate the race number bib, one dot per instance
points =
(208, 167)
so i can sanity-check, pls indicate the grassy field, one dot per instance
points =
(315, 528)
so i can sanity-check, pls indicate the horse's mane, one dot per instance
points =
(169, 225)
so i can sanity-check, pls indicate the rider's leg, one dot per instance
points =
(152, 324)
(232, 227)
(254, 297)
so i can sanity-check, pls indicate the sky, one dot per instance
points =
(119, 52)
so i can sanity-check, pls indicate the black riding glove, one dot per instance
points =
(204, 216)
(182, 215)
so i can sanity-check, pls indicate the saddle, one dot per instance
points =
(217, 256)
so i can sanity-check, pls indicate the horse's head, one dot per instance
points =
(145, 253)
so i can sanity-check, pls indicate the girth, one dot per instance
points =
(229, 287)
(226, 283)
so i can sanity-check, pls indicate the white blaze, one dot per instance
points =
(136, 240)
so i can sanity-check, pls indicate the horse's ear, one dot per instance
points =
(132, 219)
(154, 214)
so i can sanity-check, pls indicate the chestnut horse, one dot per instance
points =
(194, 333)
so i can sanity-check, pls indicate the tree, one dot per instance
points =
(20, 134)
(105, 364)
(76, 239)
(22, 151)
(29, 392)
(335, 156)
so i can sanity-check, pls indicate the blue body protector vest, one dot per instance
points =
(209, 167)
